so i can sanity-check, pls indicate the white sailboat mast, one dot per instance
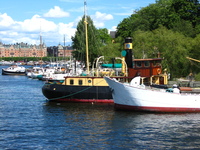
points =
(86, 37)
(41, 42)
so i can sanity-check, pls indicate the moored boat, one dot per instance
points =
(92, 87)
(14, 70)
(138, 97)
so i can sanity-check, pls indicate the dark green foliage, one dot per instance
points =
(168, 27)
(197, 77)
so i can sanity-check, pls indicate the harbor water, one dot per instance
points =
(28, 121)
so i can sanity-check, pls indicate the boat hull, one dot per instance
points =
(127, 97)
(156, 109)
(83, 94)
(4, 72)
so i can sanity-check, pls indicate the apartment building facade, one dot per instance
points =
(22, 50)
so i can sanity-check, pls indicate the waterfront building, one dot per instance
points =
(64, 51)
(22, 50)
(60, 51)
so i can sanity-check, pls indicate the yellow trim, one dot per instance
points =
(128, 45)
(86, 81)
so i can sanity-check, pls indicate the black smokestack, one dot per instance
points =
(128, 48)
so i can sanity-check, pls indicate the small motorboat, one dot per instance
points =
(14, 70)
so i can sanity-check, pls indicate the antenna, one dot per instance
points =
(85, 9)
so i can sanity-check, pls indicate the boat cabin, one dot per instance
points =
(151, 69)
(83, 81)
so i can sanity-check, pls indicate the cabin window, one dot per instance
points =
(139, 64)
(146, 64)
(154, 63)
(133, 64)
(71, 82)
(89, 81)
(157, 63)
(80, 82)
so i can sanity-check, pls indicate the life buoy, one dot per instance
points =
(158, 71)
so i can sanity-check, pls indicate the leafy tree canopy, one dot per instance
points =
(168, 27)
(79, 40)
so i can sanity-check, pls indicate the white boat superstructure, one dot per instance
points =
(138, 97)
(37, 71)
(14, 70)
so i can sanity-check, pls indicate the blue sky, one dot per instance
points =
(23, 21)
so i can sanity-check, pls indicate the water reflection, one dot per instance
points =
(81, 125)
(165, 131)
(87, 125)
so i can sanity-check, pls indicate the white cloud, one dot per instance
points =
(66, 29)
(99, 19)
(103, 16)
(56, 12)
(5, 20)
(114, 28)
(28, 31)
(37, 24)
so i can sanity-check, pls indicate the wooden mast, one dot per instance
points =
(86, 38)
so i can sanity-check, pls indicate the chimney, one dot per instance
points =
(128, 49)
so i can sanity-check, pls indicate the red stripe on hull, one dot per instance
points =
(85, 100)
(156, 109)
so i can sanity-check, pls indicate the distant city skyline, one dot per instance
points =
(25, 21)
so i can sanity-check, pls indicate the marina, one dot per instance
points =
(123, 76)
(28, 121)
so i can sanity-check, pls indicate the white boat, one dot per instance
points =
(138, 97)
(36, 72)
(14, 70)
(55, 78)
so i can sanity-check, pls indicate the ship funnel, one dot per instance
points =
(128, 49)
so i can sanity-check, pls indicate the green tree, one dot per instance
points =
(173, 47)
(179, 15)
(124, 28)
(105, 38)
(79, 41)
(187, 9)
(195, 53)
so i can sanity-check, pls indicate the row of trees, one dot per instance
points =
(168, 27)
